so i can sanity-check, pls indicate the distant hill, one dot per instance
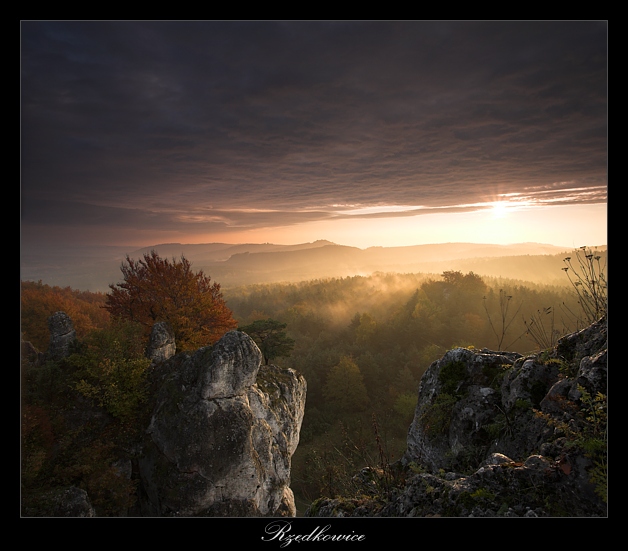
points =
(527, 261)
(232, 265)
(219, 252)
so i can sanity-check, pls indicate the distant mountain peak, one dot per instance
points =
(323, 242)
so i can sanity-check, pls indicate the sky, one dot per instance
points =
(364, 133)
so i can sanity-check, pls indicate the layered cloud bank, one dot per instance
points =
(144, 132)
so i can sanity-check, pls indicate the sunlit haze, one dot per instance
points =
(501, 224)
(360, 133)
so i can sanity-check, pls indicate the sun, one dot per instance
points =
(499, 209)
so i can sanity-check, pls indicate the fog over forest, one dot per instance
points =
(94, 268)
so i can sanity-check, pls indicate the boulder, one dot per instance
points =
(222, 434)
(459, 396)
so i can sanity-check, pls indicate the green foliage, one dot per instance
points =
(392, 326)
(479, 497)
(271, 337)
(114, 385)
(483, 493)
(589, 435)
(404, 406)
(47, 383)
(594, 438)
(111, 369)
(416, 468)
(522, 405)
(375, 335)
(107, 367)
(547, 358)
(495, 374)
(451, 377)
(503, 423)
(430, 353)
(436, 418)
(366, 330)
(498, 427)
(353, 462)
(344, 389)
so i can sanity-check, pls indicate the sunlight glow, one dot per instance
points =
(354, 210)
(563, 225)
(500, 209)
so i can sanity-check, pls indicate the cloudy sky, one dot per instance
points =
(363, 133)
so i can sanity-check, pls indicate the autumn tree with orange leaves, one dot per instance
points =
(156, 289)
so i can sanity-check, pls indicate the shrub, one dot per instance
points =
(587, 275)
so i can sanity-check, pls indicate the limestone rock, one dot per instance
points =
(235, 361)
(592, 372)
(586, 342)
(62, 335)
(162, 344)
(222, 434)
(459, 395)
(494, 398)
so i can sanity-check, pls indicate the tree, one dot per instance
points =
(271, 338)
(39, 301)
(345, 388)
(111, 369)
(366, 331)
(156, 289)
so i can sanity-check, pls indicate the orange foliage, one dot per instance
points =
(39, 302)
(156, 289)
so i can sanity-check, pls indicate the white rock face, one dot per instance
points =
(222, 434)
(162, 344)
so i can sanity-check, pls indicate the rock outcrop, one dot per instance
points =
(222, 433)
(62, 335)
(501, 434)
(162, 345)
(219, 431)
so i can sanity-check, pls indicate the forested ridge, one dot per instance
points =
(362, 343)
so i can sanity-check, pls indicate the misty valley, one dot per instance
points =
(361, 342)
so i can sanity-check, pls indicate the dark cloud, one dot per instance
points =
(175, 124)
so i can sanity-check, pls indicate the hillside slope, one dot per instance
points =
(231, 265)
